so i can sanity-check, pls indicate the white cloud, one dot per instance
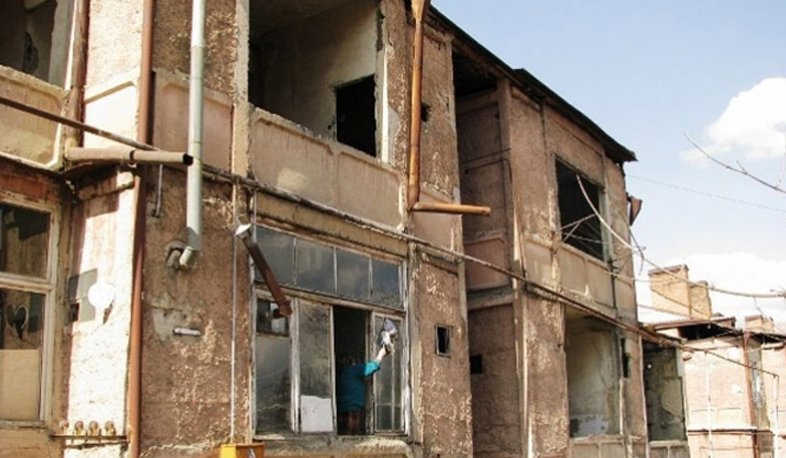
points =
(753, 125)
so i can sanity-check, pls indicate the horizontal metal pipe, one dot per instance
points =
(75, 124)
(127, 155)
(451, 208)
(244, 233)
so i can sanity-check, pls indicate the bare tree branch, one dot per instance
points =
(739, 169)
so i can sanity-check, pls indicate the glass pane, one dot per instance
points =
(24, 241)
(388, 385)
(316, 389)
(279, 251)
(272, 383)
(353, 275)
(266, 320)
(386, 283)
(21, 341)
(315, 269)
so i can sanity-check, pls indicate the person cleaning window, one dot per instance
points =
(351, 388)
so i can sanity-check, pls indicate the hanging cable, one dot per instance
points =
(710, 287)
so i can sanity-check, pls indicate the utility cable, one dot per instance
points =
(645, 259)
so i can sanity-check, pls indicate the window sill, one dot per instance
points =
(385, 444)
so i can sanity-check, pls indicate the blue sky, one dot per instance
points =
(650, 73)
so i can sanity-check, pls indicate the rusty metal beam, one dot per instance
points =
(130, 155)
(456, 209)
(244, 233)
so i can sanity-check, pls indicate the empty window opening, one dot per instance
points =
(593, 377)
(302, 54)
(352, 395)
(579, 224)
(624, 359)
(443, 340)
(476, 364)
(355, 118)
(664, 394)
(34, 37)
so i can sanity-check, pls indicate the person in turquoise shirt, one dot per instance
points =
(351, 394)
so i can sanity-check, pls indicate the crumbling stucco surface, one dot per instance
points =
(495, 394)
(186, 395)
(115, 43)
(172, 41)
(442, 401)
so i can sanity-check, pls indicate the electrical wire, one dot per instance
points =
(708, 194)
(645, 259)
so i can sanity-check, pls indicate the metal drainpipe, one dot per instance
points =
(134, 397)
(419, 10)
(195, 107)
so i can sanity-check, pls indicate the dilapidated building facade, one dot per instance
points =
(555, 355)
(135, 323)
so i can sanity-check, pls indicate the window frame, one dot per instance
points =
(46, 287)
(602, 206)
(298, 298)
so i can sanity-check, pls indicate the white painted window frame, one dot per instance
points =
(45, 286)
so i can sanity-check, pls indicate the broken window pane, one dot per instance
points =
(388, 384)
(24, 241)
(315, 268)
(272, 383)
(279, 251)
(316, 389)
(21, 341)
(353, 275)
(386, 283)
(267, 322)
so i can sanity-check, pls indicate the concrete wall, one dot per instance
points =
(496, 399)
(441, 399)
(717, 390)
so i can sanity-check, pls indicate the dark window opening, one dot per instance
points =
(310, 61)
(625, 360)
(349, 335)
(476, 364)
(356, 123)
(32, 38)
(579, 224)
(443, 341)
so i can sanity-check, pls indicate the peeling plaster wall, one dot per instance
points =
(186, 395)
(172, 41)
(547, 379)
(442, 401)
(115, 43)
(725, 404)
(593, 380)
(495, 395)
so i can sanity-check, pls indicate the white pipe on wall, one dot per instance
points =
(195, 123)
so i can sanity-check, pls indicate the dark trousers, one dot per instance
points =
(352, 423)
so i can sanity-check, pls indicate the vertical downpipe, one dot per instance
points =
(134, 396)
(419, 10)
(195, 108)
